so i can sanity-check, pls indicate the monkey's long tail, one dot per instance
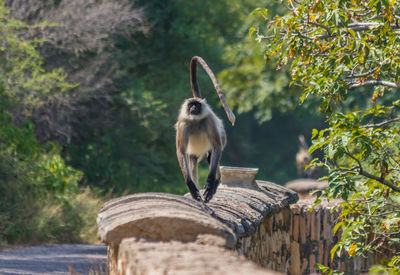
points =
(195, 86)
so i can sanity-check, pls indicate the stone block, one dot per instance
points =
(141, 258)
(294, 260)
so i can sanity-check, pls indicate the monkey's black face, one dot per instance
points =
(194, 108)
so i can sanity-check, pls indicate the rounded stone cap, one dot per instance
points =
(161, 217)
(238, 176)
(304, 186)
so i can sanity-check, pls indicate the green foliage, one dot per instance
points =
(68, 220)
(253, 145)
(131, 154)
(33, 176)
(23, 82)
(116, 126)
(332, 47)
(251, 82)
(40, 200)
(326, 270)
(335, 51)
(392, 267)
(257, 90)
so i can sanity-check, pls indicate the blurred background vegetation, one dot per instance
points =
(90, 91)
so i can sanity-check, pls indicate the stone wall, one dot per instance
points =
(295, 238)
(311, 233)
(152, 222)
(269, 246)
(158, 233)
(311, 236)
(144, 257)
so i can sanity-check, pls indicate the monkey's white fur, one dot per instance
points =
(205, 111)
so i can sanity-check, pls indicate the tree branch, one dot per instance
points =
(351, 156)
(361, 26)
(381, 180)
(373, 177)
(354, 26)
(374, 83)
(362, 75)
(382, 123)
(327, 29)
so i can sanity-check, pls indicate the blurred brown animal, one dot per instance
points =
(303, 158)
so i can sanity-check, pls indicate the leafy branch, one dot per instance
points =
(361, 171)
(332, 49)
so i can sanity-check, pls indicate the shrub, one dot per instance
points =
(40, 198)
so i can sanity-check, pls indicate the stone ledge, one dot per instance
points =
(142, 257)
(233, 212)
(160, 216)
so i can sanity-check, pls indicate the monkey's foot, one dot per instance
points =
(210, 190)
(208, 195)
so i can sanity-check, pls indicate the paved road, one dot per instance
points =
(55, 259)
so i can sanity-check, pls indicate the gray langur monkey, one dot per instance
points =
(200, 132)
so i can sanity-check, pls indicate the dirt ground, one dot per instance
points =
(54, 259)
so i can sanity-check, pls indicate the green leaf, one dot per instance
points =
(262, 11)
(322, 268)
(251, 31)
(333, 250)
(314, 133)
(353, 33)
(337, 226)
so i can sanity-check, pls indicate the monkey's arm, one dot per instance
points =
(183, 162)
(186, 175)
(212, 179)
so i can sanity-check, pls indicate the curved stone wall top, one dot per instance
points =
(163, 217)
(233, 212)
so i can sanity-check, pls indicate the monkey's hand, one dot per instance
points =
(196, 195)
(194, 191)
(209, 189)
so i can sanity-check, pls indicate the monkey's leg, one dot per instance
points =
(186, 175)
(212, 184)
(193, 169)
